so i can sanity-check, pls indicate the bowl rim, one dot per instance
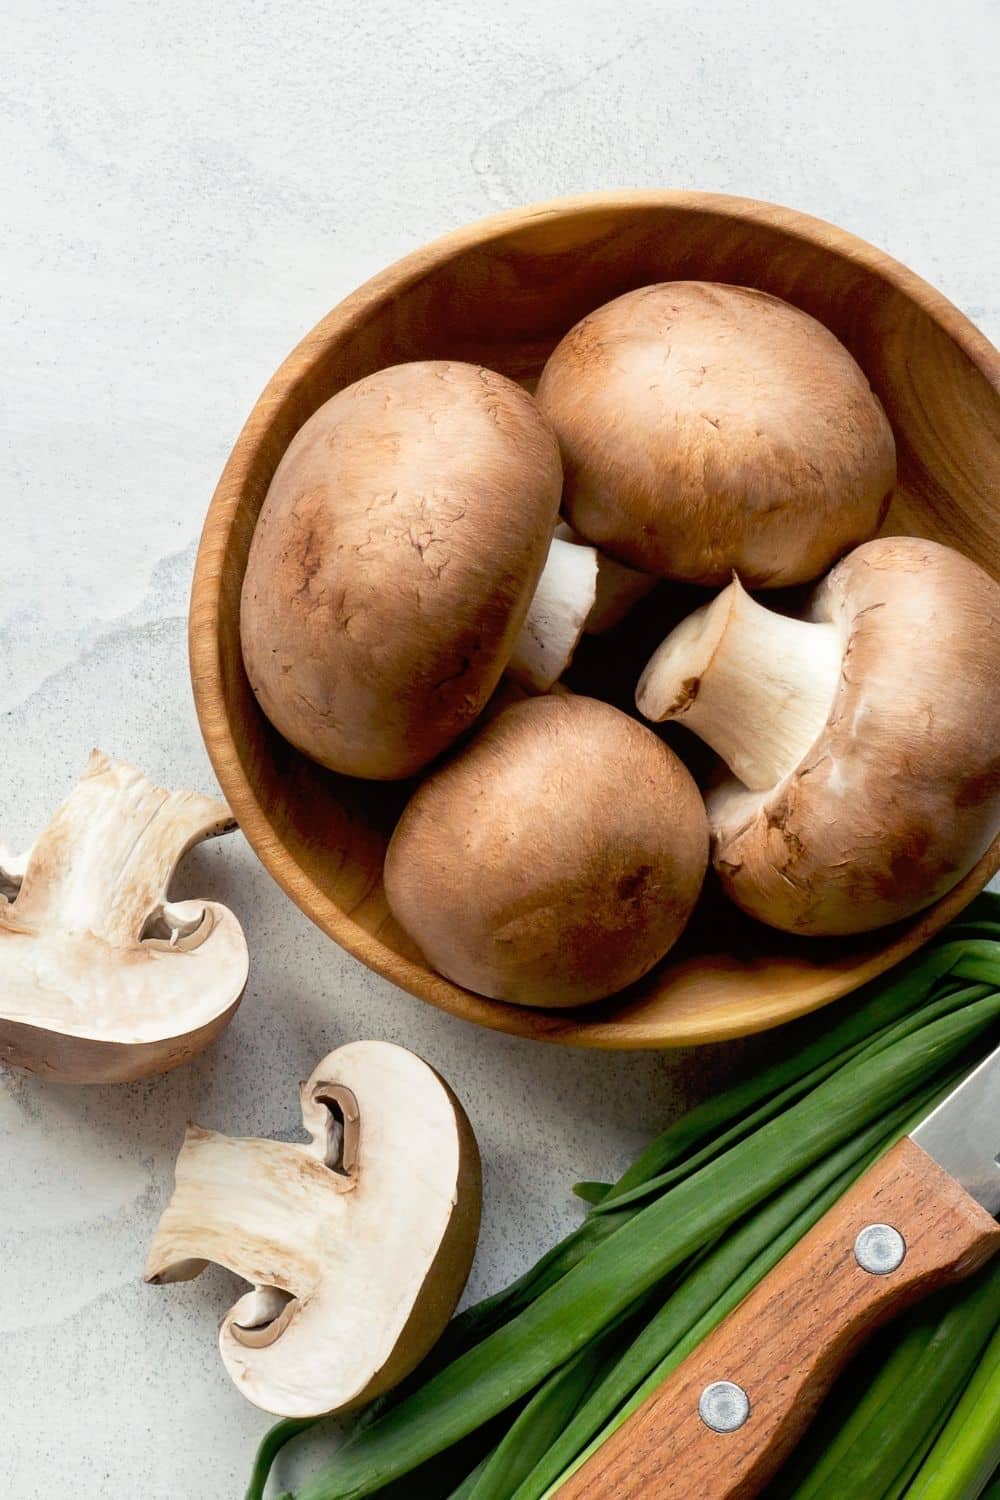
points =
(574, 1027)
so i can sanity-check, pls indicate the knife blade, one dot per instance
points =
(922, 1217)
(963, 1134)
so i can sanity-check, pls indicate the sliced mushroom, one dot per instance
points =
(357, 1244)
(554, 859)
(706, 427)
(102, 978)
(864, 739)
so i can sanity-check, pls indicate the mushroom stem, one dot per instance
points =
(618, 586)
(213, 1217)
(556, 616)
(104, 862)
(756, 686)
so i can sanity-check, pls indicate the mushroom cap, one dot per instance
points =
(554, 859)
(393, 563)
(101, 978)
(900, 794)
(356, 1263)
(706, 428)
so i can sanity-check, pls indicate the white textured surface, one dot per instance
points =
(187, 188)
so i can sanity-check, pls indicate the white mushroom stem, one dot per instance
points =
(247, 1205)
(261, 1317)
(618, 587)
(213, 1216)
(756, 686)
(556, 616)
(103, 863)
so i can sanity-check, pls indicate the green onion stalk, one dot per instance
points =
(879, 1440)
(967, 1452)
(703, 1214)
(729, 1275)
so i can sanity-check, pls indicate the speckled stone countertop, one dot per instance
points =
(187, 189)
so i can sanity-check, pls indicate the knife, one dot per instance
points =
(923, 1216)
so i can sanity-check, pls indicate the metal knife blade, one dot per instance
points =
(963, 1134)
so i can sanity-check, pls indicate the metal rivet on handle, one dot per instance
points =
(879, 1249)
(723, 1406)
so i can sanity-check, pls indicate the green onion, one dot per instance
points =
(698, 1153)
(847, 1413)
(711, 1287)
(867, 1027)
(901, 1484)
(538, 1425)
(934, 1356)
(981, 918)
(887, 1037)
(592, 1192)
(872, 1008)
(771, 1233)
(869, 1021)
(513, 1360)
(960, 1463)
(271, 1444)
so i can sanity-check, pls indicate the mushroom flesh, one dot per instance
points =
(392, 566)
(706, 428)
(356, 1244)
(554, 859)
(864, 739)
(102, 978)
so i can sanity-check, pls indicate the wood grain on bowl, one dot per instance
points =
(502, 293)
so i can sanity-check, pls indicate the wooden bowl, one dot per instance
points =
(501, 293)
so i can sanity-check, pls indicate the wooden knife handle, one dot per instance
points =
(787, 1341)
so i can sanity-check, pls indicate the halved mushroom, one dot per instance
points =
(706, 427)
(357, 1244)
(864, 739)
(102, 978)
(392, 566)
(554, 859)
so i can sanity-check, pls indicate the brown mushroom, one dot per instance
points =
(393, 563)
(356, 1243)
(554, 859)
(864, 739)
(706, 428)
(102, 978)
